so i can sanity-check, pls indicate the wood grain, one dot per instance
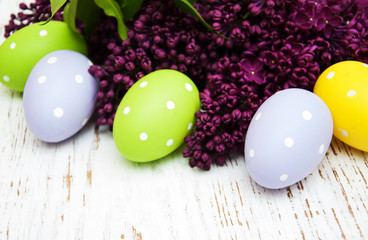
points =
(82, 188)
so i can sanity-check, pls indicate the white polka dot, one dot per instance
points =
(13, 45)
(289, 142)
(365, 65)
(251, 153)
(284, 177)
(169, 142)
(43, 33)
(126, 110)
(143, 136)
(343, 132)
(143, 84)
(330, 75)
(351, 93)
(6, 78)
(190, 125)
(78, 78)
(170, 105)
(52, 60)
(188, 87)
(321, 148)
(258, 116)
(307, 115)
(42, 79)
(58, 112)
(84, 122)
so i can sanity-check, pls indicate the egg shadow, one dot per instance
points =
(10, 93)
(338, 147)
(76, 137)
(171, 158)
(105, 132)
(90, 133)
(279, 193)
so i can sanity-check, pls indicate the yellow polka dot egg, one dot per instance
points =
(155, 115)
(20, 52)
(344, 87)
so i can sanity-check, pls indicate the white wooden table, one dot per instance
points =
(84, 189)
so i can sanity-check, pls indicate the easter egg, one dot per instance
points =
(287, 138)
(20, 52)
(59, 96)
(155, 115)
(344, 87)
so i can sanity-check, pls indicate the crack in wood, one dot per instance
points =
(310, 211)
(223, 210)
(365, 181)
(237, 187)
(89, 177)
(136, 235)
(289, 193)
(218, 210)
(98, 139)
(24, 136)
(335, 145)
(347, 201)
(68, 179)
(237, 215)
(338, 223)
(320, 174)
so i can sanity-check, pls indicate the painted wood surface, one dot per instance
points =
(83, 189)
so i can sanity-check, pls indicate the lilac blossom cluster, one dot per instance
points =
(270, 45)
(38, 11)
(161, 37)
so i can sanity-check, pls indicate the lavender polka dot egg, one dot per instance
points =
(287, 138)
(59, 96)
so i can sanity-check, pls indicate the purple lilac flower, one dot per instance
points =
(253, 70)
(271, 45)
(284, 55)
(327, 21)
(38, 11)
(160, 37)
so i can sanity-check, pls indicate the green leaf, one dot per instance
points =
(112, 8)
(130, 7)
(88, 12)
(70, 12)
(187, 7)
(55, 6)
(191, 1)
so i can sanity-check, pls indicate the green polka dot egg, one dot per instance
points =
(20, 52)
(155, 115)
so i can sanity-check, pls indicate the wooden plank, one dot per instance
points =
(82, 188)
